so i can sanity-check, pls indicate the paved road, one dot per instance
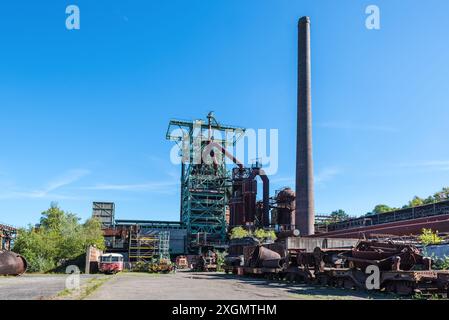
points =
(34, 287)
(186, 285)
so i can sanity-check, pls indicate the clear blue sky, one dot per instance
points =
(83, 113)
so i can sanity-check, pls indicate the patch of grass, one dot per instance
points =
(85, 290)
(91, 286)
(64, 293)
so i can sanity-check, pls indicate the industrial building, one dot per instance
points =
(7, 236)
(216, 198)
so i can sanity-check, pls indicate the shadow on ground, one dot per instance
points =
(304, 290)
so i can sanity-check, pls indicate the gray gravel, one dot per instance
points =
(34, 287)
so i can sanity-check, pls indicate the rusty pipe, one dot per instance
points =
(12, 264)
(261, 254)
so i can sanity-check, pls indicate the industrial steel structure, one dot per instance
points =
(409, 221)
(105, 212)
(245, 210)
(7, 235)
(205, 179)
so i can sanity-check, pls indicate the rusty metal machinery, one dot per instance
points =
(385, 254)
(283, 212)
(12, 264)
(244, 207)
(7, 236)
(403, 270)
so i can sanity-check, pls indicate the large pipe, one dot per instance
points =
(305, 211)
(265, 194)
(11, 263)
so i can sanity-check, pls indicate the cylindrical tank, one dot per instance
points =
(12, 264)
(285, 203)
(288, 233)
(261, 253)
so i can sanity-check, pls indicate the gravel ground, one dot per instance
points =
(34, 287)
(212, 286)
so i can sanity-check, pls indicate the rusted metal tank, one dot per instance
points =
(285, 204)
(288, 233)
(273, 263)
(12, 264)
(261, 254)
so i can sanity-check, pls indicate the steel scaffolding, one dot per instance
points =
(149, 247)
(205, 186)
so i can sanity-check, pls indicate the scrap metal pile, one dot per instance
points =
(400, 268)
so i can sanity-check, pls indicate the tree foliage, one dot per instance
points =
(441, 195)
(261, 234)
(239, 233)
(338, 215)
(59, 237)
(382, 208)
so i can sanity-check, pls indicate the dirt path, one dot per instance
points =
(186, 285)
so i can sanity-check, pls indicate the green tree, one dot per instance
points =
(59, 237)
(381, 208)
(442, 195)
(429, 200)
(416, 201)
(93, 235)
(339, 215)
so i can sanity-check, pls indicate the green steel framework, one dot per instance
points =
(204, 187)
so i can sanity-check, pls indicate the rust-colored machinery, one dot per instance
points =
(283, 213)
(206, 262)
(181, 262)
(386, 255)
(12, 264)
(245, 210)
(402, 269)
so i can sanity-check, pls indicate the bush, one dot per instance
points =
(262, 234)
(442, 264)
(428, 237)
(239, 233)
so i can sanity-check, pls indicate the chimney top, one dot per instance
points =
(304, 19)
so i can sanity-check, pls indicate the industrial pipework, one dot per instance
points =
(12, 264)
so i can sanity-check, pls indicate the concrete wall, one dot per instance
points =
(311, 243)
(92, 258)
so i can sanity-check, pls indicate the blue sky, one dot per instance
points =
(83, 113)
